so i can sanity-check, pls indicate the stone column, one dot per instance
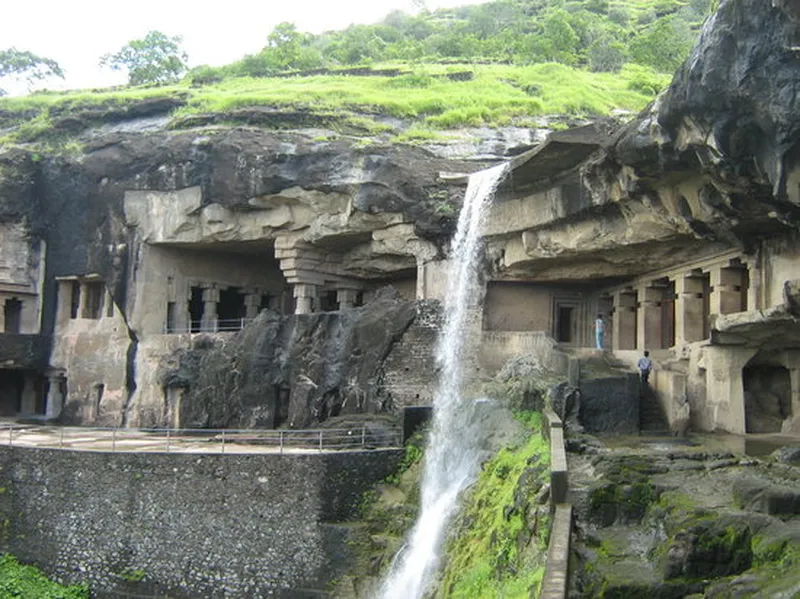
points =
(305, 295)
(2, 315)
(55, 399)
(210, 301)
(422, 287)
(624, 321)
(252, 302)
(346, 298)
(648, 318)
(724, 387)
(82, 299)
(688, 310)
(726, 290)
(753, 284)
(64, 302)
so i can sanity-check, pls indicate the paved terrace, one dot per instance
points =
(252, 441)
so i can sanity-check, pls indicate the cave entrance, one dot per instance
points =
(12, 383)
(767, 397)
(12, 314)
(196, 309)
(230, 309)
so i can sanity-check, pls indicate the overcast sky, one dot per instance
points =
(77, 32)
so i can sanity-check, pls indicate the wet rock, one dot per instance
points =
(329, 363)
(710, 549)
(760, 495)
(787, 455)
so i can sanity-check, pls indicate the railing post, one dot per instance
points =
(168, 439)
(363, 436)
(10, 435)
(223, 442)
(281, 442)
(320, 440)
(114, 440)
(61, 438)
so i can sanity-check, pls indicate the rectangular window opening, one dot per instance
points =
(12, 313)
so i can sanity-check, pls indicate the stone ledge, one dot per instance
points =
(556, 576)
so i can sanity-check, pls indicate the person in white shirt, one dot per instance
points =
(599, 329)
(645, 365)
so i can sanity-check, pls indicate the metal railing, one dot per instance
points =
(215, 326)
(169, 440)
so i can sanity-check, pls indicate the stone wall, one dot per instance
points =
(409, 371)
(94, 354)
(497, 347)
(188, 525)
(518, 307)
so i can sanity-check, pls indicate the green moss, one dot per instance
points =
(17, 580)
(500, 549)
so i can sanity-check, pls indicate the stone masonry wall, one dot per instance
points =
(409, 371)
(188, 525)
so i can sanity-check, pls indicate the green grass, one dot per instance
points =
(17, 580)
(422, 97)
(485, 561)
(495, 95)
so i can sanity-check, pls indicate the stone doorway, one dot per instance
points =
(566, 322)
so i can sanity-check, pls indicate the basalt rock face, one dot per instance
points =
(327, 364)
(75, 202)
(718, 150)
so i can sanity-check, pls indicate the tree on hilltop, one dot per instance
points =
(157, 58)
(26, 66)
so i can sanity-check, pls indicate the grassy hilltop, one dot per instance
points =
(410, 76)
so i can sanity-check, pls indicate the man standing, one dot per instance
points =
(599, 329)
(645, 365)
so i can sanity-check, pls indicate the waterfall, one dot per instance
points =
(451, 458)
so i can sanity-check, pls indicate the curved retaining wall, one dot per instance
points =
(187, 525)
(556, 577)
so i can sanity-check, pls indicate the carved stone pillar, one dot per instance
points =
(82, 299)
(688, 310)
(346, 298)
(648, 318)
(624, 321)
(305, 295)
(252, 302)
(55, 398)
(210, 301)
(726, 290)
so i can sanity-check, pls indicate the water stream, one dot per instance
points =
(452, 456)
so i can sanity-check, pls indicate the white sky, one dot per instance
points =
(76, 33)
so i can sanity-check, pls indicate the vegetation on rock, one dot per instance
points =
(500, 544)
(17, 580)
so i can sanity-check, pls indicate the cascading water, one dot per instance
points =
(451, 458)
